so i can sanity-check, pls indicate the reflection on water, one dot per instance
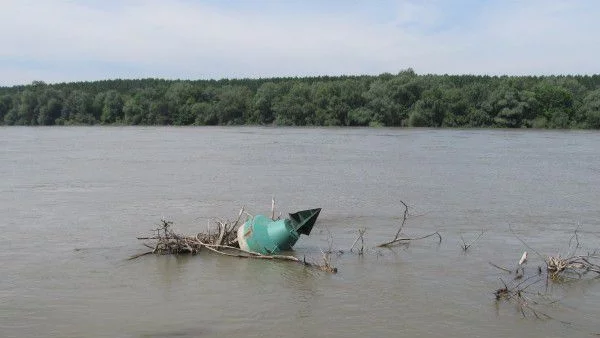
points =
(73, 201)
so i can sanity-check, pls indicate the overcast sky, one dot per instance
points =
(69, 40)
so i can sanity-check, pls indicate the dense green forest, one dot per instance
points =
(404, 99)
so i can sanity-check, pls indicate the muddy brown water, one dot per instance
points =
(73, 200)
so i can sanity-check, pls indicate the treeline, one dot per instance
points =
(404, 99)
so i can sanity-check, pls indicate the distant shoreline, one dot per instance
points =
(405, 99)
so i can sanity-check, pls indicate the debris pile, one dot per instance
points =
(558, 269)
(226, 240)
(572, 267)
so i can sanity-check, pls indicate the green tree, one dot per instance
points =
(380, 103)
(98, 105)
(233, 104)
(296, 108)
(390, 100)
(5, 106)
(267, 95)
(591, 109)
(456, 106)
(112, 107)
(49, 112)
(185, 115)
(205, 114)
(77, 109)
(429, 111)
(49, 106)
(135, 108)
(394, 100)
(360, 117)
(351, 96)
(145, 107)
(511, 108)
(179, 97)
(27, 108)
(555, 104)
(330, 108)
(11, 116)
(158, 112)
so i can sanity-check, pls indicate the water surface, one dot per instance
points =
(73, 200)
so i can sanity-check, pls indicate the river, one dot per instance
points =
(74, 199)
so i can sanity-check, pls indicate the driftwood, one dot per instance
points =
(240, 253)
(518, 293)
(558, 268)
(398, 239)
(569, 266)
(501, 268)
(223, 242)
(361, 238)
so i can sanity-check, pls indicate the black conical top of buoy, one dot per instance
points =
(303, 221)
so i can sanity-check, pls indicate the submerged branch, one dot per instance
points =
(499, 267)
(466, 246)
(361, 233)
(223, 242)
(404, 240)
(404, 216)
(399, 240)
(522, 241)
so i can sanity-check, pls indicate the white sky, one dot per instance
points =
(61, 40)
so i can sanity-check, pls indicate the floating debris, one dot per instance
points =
(258, 237)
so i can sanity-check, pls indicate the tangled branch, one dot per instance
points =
(400, 240)
(223, 242)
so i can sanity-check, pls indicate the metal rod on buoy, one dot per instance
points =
(273, 208)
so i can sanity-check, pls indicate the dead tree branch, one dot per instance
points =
(222, 242)
(361, 233)
(399, 240)
(404, 216)
(523, 242)
(466, 246)
(501, 268)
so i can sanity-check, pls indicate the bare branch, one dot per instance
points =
(576, 237)
(222, 242)
(499, 267)
(405, 215)
(466, 246)
(361, 233)
(399, 240)
(405, 240)
(524, 243)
